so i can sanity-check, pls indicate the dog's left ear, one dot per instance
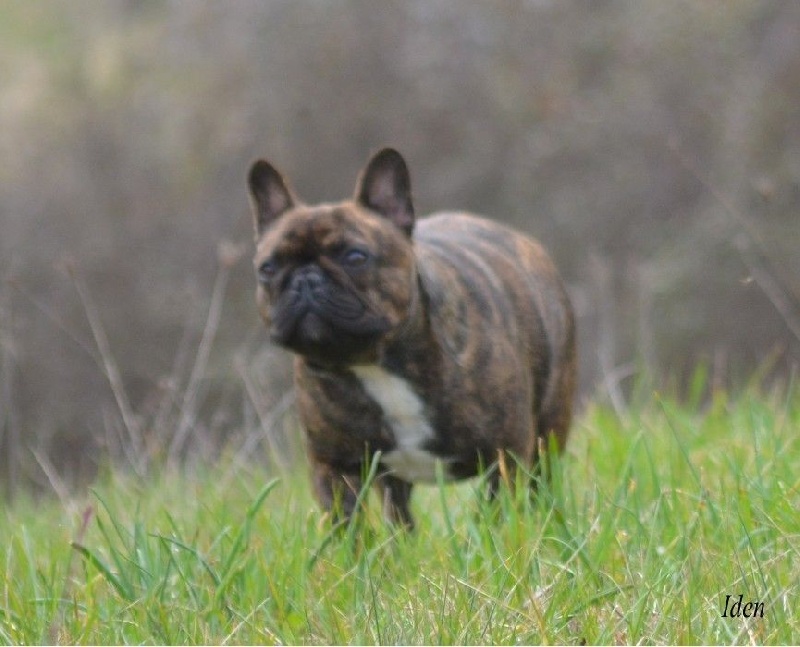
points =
(269, 193)
(384, 186)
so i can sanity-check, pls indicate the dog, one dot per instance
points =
(443, 343)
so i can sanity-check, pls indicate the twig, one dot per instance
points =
(69, 572)
(267, 421)
(769, 284)
(59, 487)
(189, 404)
(111, 370)
(9, 424)
(170, 389)
(750, 249)
(54, 319)
(611, 376)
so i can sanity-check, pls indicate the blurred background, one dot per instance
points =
(654, 147)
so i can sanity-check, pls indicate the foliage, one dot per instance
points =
(649, 521)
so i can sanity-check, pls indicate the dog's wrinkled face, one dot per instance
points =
(334, 280)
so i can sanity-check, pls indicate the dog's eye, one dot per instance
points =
(355, 257)
(267, 270)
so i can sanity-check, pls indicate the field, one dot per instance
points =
(652, 519)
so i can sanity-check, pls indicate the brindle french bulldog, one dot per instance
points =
(448, 339)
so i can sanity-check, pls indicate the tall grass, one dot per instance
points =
(647, 524)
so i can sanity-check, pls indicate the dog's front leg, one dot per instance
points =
(336, 493)
(395, 494)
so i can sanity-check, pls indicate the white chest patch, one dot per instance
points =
(404, 412)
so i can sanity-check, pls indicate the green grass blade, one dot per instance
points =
(124, 592)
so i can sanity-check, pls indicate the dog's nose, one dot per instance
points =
(312, 274)
(307, 281)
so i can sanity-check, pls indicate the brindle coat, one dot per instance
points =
(470, 314)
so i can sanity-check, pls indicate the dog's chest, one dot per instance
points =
(404, 412)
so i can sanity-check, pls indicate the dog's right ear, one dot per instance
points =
(384, 187)
(270, 195)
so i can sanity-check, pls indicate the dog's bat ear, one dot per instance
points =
(270, 194)
(384, 186)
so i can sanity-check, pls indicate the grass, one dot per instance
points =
(649, 523)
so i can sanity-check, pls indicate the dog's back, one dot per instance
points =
(529, 341)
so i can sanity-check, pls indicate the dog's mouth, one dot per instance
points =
(323, 321)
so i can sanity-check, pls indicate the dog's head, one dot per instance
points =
(335, 280)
